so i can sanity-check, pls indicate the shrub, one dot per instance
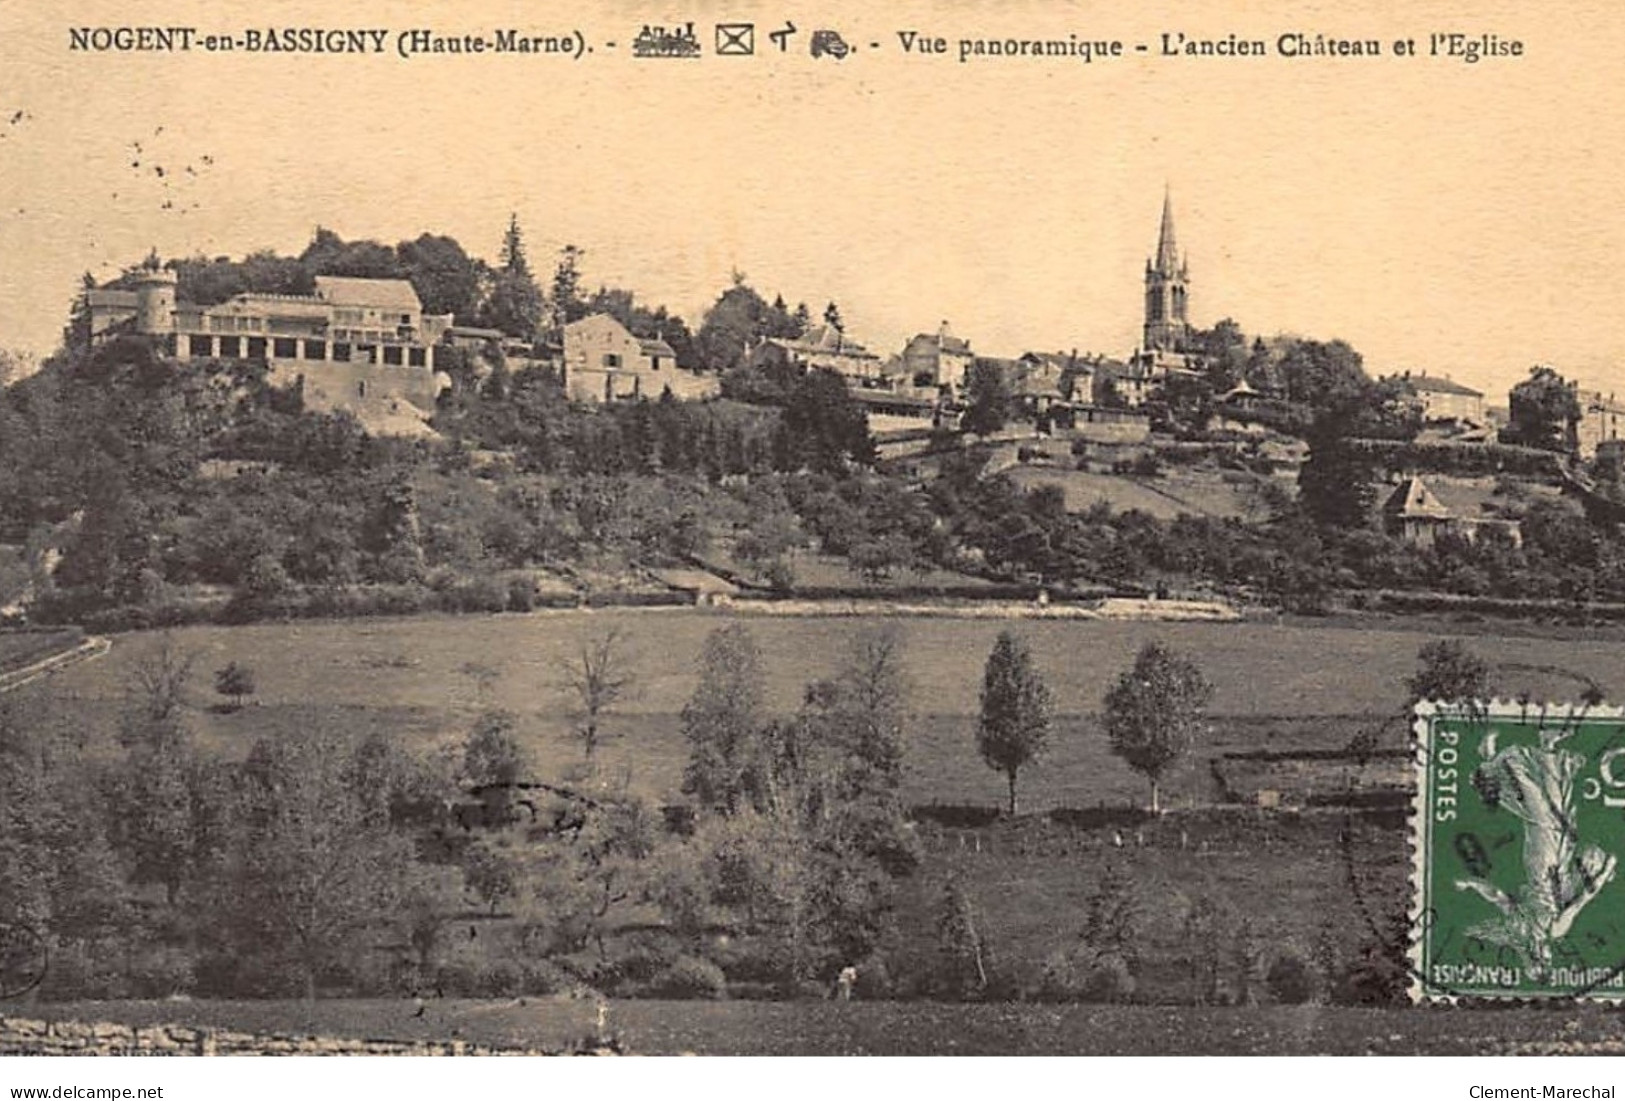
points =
(779, 575)
(689, 977)
(500, 978)
(1072, 975)
(521, 594)
(874, 979)
(1291, 977)
(542, 978)
(1058, 978)
(477, 594)
(1108, 980)
(161, 973)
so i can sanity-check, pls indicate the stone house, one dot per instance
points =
(603, 361)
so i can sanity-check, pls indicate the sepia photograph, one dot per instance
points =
(737, 529)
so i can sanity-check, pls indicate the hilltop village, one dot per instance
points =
(1052, 677)
(456, 436)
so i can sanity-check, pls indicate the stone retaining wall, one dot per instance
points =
(20, 1036)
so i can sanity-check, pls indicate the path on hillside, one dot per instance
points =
(93, 647)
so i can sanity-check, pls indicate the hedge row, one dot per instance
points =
(1461, 458)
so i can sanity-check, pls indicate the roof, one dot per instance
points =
(100, 297)
(1062, 360)
(892, 398)
(1036, 385)
(1414, 498)
(827, 338)
(1116, 368)
(656, 348)
(824, 340)
(391, 294)
(1435, 384)
(1010, 366)
(947, 343)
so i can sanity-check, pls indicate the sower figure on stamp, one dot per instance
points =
(1562, 875)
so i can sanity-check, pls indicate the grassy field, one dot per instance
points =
(1193, 493)
(916, 1028)
(423, 679)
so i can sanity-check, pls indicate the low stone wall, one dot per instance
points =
(20, 1036)
(330, 386)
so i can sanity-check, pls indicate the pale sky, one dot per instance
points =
(1463, 219)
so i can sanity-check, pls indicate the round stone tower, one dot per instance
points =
(154, 300)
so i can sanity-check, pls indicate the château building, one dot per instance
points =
(352, 342)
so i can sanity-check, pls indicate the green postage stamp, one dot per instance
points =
(1520, 824)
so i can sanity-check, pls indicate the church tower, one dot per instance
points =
(1166, 327)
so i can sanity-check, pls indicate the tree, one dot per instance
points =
(159, 679)
(312, 872)
(987, 396)
(446, 278)
(599, 676)
(1223, 350)
(58, 875)
(832, 318)
(515, 305)
(734, 324)
(493, 765)
(1335, 481)
(566, 299)
(1448, 671)
(235, 681)
(1322, 375)
(960, 943)
(862, 711)
(723, 719)
(823, 429)
(1154, 712)
(1542, 410)
(1015, 717)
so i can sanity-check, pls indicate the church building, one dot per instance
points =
(1165, 346)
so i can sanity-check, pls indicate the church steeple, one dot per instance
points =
(1167, 247)
(1166, 326)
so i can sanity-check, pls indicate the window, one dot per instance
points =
(611, 360)
(256, 347)
(341, 353)
(315, 349)
(285, 348)
(417, 357)
(200, 346)
(406, 319)
(392, 355)
(231, 347)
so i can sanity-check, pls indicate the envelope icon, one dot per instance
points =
(736, 39)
